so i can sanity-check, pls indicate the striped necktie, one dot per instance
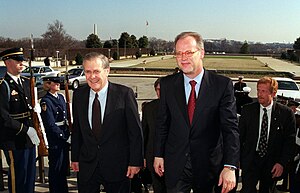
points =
(263, 140)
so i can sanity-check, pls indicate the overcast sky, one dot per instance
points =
(251, 20)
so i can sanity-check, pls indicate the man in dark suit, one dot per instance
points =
(239, 85)
(267, 137)
(107, 149)
(17, 135)
(196, 139)
(150, 111)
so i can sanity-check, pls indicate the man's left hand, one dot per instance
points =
(227, 178)
(132, 170)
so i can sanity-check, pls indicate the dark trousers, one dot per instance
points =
(158, 183)
(185, 183)
(58, 169)
(259, 171)
(24, 169)
(295, 178)
(93, 185)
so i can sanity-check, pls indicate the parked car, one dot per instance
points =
(40, 70)
(288, 88)
(76, 78)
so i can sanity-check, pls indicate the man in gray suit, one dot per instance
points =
(107, 149)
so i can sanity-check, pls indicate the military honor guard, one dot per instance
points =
(54, 116)
(18, 138)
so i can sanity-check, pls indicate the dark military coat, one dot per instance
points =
(54, 115)
(15, 110)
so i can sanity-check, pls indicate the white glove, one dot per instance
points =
(69, 140)
(37, 108)
(33, 136)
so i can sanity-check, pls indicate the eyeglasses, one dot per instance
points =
(188, 54)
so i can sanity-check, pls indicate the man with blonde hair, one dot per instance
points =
(267, 137)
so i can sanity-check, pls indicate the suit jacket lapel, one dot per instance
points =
(110, 101)
(85, 106)
(109, 107)
(274, 122)
(203, 96)
(179, 94)
(256, 115)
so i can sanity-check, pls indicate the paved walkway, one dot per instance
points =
(281, 66)
(132, 62)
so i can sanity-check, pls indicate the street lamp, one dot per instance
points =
(125, 49)
(118, 51)
(57, 52)
(108, 53)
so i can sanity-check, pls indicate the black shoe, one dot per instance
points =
(282, 188)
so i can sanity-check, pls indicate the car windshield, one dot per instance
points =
(75, 72)
(287, 85)
(35, 70)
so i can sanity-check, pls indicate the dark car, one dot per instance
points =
(2, 71)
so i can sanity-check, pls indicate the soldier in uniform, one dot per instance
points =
(17, 136)
(293, 182)
(54, 115)
(238, 86)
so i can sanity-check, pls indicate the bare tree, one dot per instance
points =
(56, 38)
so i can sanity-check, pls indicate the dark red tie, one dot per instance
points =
(192, 101)
(96, 117)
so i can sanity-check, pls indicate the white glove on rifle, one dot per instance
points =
(37, 108)
(33, 136)
(69, 140)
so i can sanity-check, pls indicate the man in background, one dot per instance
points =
(150, 111)
(238, 86)
(267, 138)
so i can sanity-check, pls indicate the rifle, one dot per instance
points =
(69, 116)
(43, 146)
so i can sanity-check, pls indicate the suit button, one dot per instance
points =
(187, 154)
(98, 146)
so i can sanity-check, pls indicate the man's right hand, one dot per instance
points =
(159, 166)
(33, 136)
